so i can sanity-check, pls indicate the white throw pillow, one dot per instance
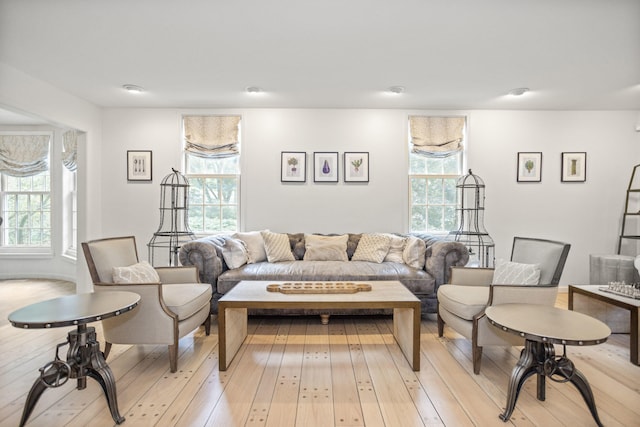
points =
(372, 248)
(415, 252)
(235, 253)
(515, 273)
(395, 249)
(142, 272)
(255, 245)
(325, 248)
(277, 247)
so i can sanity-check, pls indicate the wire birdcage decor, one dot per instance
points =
(471, 231)
(174, 218)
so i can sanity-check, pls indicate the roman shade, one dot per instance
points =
(436, 136)
(24, 155)
(211, 136)
(70, 150)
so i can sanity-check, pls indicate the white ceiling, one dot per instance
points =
(448, 54)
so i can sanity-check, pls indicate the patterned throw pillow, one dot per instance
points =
(277, 247)
(325, 248)
(142, 272)
(515, 273)
(372, 248)
(234, 252)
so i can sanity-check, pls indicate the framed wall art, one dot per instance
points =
(529, 167)
(356, 167)
(325, 167)
(139, 165)
(574, 167)
(293, 166)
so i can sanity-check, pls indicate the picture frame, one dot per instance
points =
(574, 167)
(529, 167)
(325, 166)
(293, 166)
(356, 166)
(139, 165)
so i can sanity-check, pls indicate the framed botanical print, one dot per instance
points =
(293, 166)
(356, 167)
(574, 167)
(139, 165)
(325, 167)
(529, 167)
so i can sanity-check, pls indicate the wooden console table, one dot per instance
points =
(84, 358)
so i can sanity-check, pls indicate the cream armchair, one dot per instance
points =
(462, 302)
(172, 304)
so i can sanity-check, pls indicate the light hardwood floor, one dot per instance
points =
(297, 372)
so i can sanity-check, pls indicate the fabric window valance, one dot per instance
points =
(436, 136)
(24, 155)
(211, 136)
(70, 150)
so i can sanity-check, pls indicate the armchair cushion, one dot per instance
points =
(141, 272)
(508, 272)
(186, 299)
(463, 301)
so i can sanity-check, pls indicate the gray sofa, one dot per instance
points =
(208, 255)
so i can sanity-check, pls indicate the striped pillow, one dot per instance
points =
(277, 247)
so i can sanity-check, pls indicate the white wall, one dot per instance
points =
(587, 215)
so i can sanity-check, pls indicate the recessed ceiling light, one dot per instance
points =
(396, 89)
(519, 91)
(133, 88)
(253, 89)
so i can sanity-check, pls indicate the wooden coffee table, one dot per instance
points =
(232, 312)
(626, 303)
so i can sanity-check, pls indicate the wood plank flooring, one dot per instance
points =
(293, 371)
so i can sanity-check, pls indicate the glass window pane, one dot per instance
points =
(418, 190)
(434, 191)
(418, 218)
(450, 191)
(212, 218)
(435, 216)
(212, 191)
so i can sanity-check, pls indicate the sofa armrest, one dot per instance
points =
(441, 255)
(206, 255)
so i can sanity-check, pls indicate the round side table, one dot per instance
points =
(84, 358)
(543, 326)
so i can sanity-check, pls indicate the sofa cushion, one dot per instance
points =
(325, 248)
(186, 299)
(396, 248)
(415, 252)
(417, 281)
(142, 272)
(234, 252)
(255, 245)
(277, 247)
(372, 248)
(463, 301)
(515, 273)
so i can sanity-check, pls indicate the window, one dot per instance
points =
(213, 194)
(70, 212)
(25, 192)
(26, 210)
(432, 182)
(212, 165)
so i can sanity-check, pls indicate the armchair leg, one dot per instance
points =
(476, 351)
(440, 326)
(173, 357)
(107, 349)
(207, 326)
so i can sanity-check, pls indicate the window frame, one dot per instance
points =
(22, 250)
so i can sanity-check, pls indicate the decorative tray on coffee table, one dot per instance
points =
(318, 287)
